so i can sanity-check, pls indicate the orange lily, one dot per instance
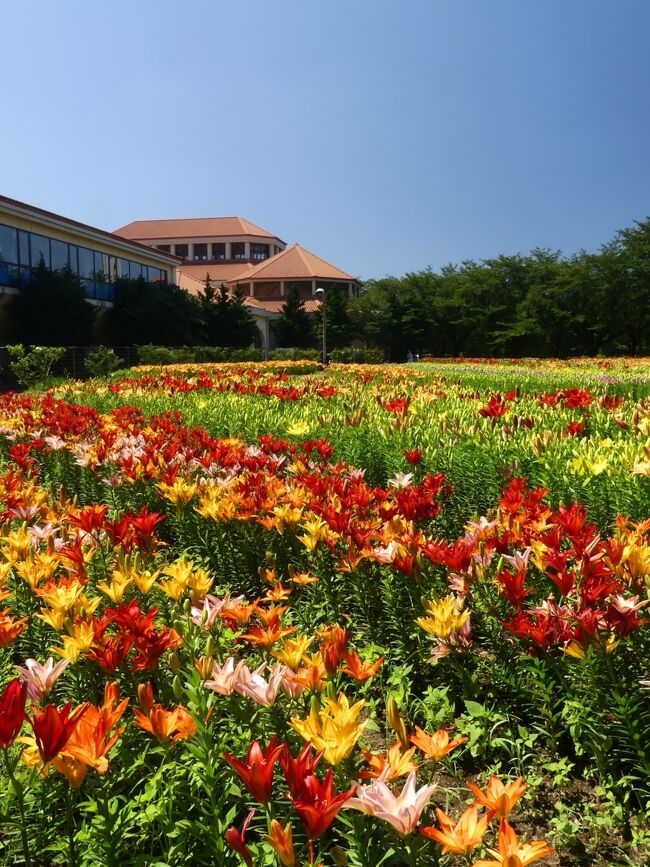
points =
(511, 852)
(282, 841)
(437, 745)
(458, 837)
(393, 763)
(497, 798)
(361, 671)
(165, 725)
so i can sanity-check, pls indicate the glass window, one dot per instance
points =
(182, 250)
(23, 247)
(74, 258)
(201, 251)
(218, 251)
(259, 251)
(238, 250)
(40, 250)
(136, 270)
(101, 265)
(59, 254)
(166, 248)
(86, 263)
(8, 245)
(123, 268)
(164, 278)
(112, 268)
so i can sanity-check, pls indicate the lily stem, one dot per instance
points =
(18, 790)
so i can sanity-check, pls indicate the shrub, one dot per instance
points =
(354, 355)
(157, 355)
(33, 365)
(102, 361)
(295, 353)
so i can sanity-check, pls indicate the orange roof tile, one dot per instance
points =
(275, 306)
(196, 227)
(220, 272)
(295, 263)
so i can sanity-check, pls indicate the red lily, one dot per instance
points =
(236, 839)
(257, 772)
(296, 770)
(53, 727)
(317, 803)
(12, 711)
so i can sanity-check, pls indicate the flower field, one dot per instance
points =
(367, 616)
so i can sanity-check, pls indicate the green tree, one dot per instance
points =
(294, 327)
(157, 313)
(227, 319)
(52, 310)
(339, 323)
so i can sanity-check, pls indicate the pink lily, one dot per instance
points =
(253, 685)
(41, 678)
(402, 811)
(226, 677)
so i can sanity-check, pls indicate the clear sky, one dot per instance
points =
(384, 136)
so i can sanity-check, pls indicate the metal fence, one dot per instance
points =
(72, 364)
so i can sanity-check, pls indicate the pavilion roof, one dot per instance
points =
(195, 227)
(294, 263)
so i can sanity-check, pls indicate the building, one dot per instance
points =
(226, 244)
(30, 236)
(234, 251)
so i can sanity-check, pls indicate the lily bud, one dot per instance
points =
(396, 722)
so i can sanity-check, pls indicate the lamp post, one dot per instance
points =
(322, 295)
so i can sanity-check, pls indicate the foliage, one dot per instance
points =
(294, 354)
(536, 304)
(163, 355)
(295, 326)
(339, 322)
(147, 312)
(52, 310)
(355, 355)
(228, 321)
(102, 361)
(34, 365)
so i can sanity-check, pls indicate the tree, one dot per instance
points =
(339, 323)
(227, 319)
(158, 313)
(52, 310)
(294, 327)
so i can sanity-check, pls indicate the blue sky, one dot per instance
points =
(384, 136)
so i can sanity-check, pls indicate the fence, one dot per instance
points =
(73, 363)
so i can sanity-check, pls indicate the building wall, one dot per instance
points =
(274, 245)
(98, 242)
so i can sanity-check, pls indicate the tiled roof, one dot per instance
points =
(275, 306)
(190, 284)
(220, 272)
(295, 263)
(197, 227)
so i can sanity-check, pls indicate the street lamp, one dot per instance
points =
(322, 295)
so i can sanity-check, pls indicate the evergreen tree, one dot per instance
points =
(52, 310)
(340, 331)
(294, 328)
(228, 321)
(158, 313)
